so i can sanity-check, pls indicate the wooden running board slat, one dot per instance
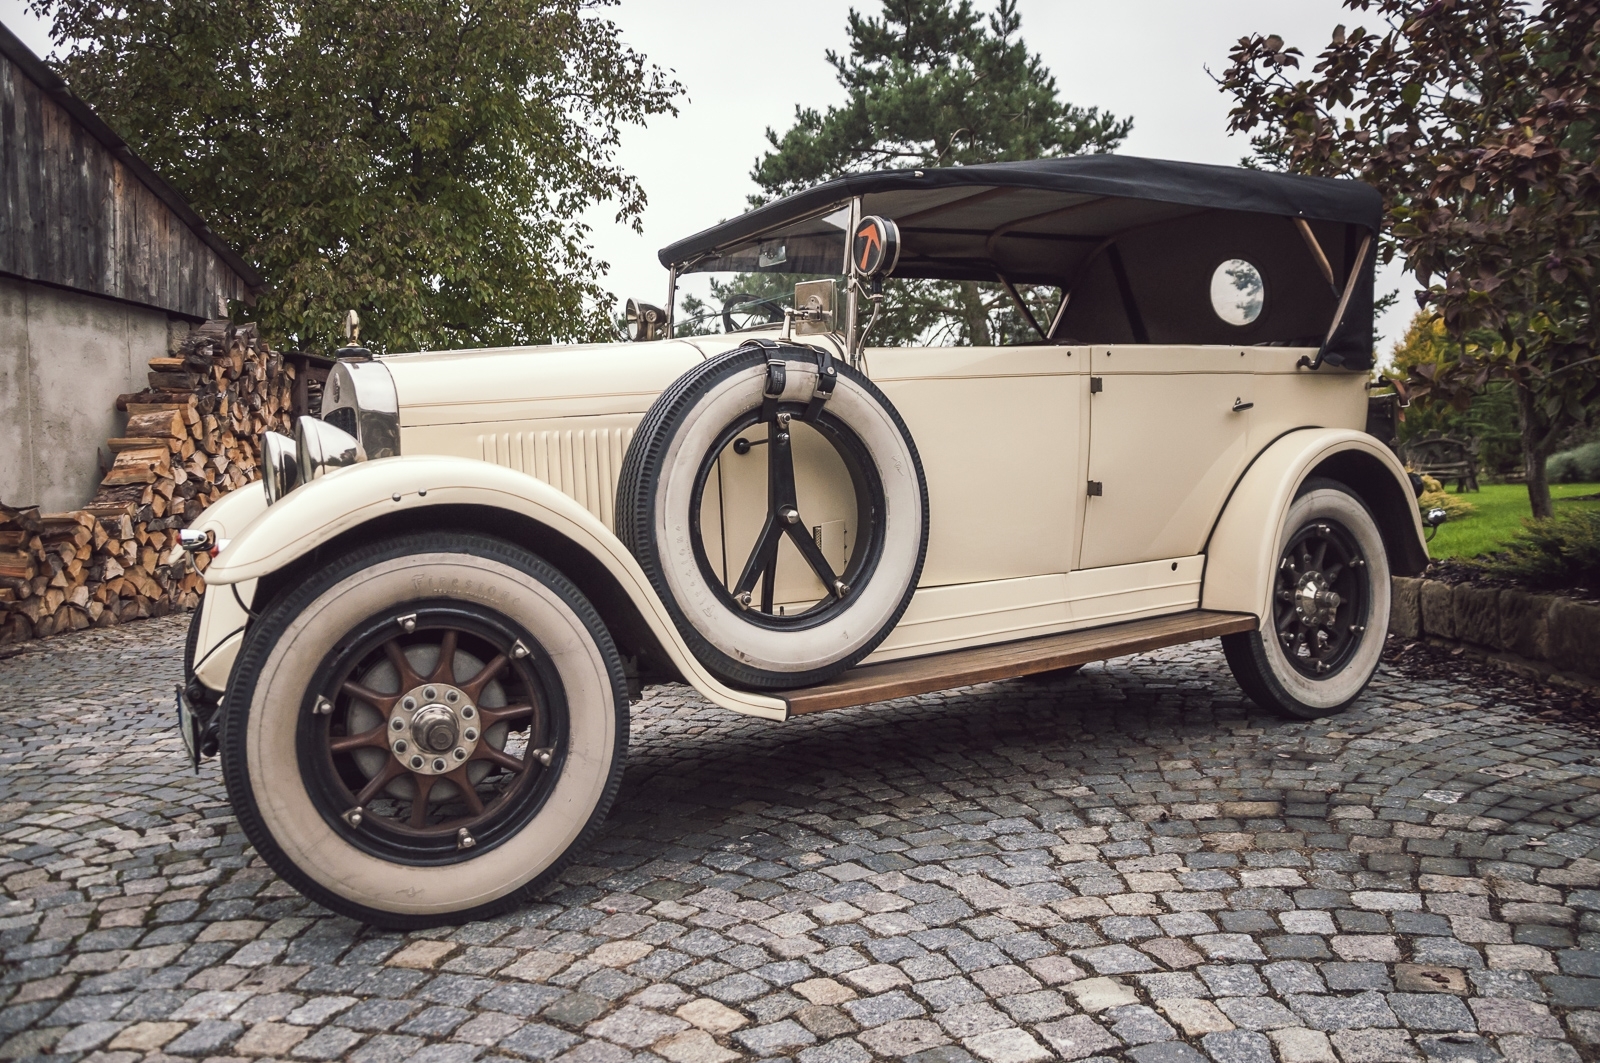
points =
(986, 664)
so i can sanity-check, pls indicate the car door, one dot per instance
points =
(1168, 437)
(1000, 434)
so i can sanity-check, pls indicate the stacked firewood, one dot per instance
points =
(191, 437)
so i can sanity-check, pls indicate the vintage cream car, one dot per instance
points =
(418, 645)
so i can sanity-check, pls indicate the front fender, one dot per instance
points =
(222, 618)
(345, 499)
(1246, 541)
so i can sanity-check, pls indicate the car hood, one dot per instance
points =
(518, 383)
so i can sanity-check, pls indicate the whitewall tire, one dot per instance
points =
(1320, 643)
(720, 592)
(424, 729)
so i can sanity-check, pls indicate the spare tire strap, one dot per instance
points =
(778, 376)
(826, 376)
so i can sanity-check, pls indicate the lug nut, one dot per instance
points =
(466, 712)
(408, 704)
(429, 693)
(451, 695)
(470, 734)
(400, 746)
(439, 764)
(461, 754)
(416, 762)
(398, 724)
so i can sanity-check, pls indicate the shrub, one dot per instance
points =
(1580, 465)
(1561, 553)
(1454, 505)
(1434, 496)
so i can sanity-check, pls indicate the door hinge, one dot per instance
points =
(1095, 489)
(1097, 384)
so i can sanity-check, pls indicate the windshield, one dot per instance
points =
(748, 284)
(919, 313)
(715, 303)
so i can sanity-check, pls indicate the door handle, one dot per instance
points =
(1239, 405)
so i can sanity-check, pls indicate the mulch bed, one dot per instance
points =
(1454, 571)
(1532, 698)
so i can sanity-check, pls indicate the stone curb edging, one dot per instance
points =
(1551, 636)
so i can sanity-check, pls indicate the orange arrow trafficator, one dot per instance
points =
(876, 246)
(870, 245)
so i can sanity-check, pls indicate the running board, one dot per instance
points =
(986, 664)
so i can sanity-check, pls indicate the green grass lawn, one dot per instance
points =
(1501, 510)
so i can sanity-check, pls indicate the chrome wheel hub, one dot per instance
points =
(1316, 602)
(434, 729)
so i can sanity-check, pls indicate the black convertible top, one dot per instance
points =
(1190, 184)
(1132, 243)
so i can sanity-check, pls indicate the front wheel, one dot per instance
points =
(1320, 646)
(422, 730)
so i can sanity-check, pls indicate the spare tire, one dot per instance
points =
(716, 562)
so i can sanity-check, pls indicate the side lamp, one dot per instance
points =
(1433, 518)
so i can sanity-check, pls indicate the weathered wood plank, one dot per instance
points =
(33, 178)
(9, 149)
(77, 210)
(988, 664)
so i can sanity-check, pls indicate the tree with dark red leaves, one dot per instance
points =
(1476, 119)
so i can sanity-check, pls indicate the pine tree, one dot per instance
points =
(935, 83)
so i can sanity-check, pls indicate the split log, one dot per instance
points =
(191, 437)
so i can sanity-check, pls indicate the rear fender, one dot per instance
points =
(380, 498)
(1244, 545)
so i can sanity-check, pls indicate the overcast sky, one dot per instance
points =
(746, 65)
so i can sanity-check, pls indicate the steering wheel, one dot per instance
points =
(754, 310)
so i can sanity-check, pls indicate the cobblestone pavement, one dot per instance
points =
(1128, 863)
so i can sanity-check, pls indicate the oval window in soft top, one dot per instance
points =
(1237, 293)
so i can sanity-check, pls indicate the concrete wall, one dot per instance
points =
(64, 358)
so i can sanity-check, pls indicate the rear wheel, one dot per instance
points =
(1330, 609)
(423, 729)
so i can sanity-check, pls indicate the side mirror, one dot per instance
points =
(813, 308)
(645, 322)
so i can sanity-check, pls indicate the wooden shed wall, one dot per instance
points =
(74, 214)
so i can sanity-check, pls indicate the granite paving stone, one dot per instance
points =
(1130, 863)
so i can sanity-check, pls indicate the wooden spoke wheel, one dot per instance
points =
(425, 728)
(430, 743)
